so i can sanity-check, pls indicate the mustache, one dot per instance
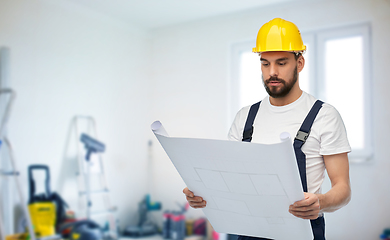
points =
(273, 79)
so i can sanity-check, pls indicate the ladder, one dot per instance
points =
(13, 171)
(94, 168)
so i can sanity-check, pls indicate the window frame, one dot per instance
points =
(236, 50)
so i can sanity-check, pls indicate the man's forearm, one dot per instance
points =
(339, 195)
(335, 198)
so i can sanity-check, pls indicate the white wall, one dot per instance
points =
(66, 60)
(191, 79)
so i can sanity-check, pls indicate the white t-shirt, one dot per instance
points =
(327, 137)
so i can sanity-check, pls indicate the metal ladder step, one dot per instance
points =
(101, 191)
(107, 211)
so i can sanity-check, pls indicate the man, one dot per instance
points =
(321, 141)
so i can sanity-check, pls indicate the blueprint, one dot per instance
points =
(248, 187)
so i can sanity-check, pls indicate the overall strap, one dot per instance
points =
(248, 129)
(304, 131)
(301, 138)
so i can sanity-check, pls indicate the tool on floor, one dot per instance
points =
(12, 172)
(145, 226)
(83, 230)
(48, 209)
(42, 209)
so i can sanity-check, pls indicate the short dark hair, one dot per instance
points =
(297, 55)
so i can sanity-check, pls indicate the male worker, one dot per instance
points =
(321, 140)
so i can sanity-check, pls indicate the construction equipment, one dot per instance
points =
(13, 171)
(85, 161)
(42, 210)
(48, 209)
(279, 35)
(84, 230)
(144, 227)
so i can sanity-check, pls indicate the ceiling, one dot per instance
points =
(151, 14)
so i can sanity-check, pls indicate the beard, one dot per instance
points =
(277, 92)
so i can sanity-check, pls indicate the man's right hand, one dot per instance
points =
(194, 201)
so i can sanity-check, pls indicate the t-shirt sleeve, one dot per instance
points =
(333, 133)
(235, 132)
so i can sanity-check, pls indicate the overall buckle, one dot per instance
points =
(302, 136)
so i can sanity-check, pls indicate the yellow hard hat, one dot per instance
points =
(279, 35)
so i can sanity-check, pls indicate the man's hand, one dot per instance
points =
(194, 201)
(309, 208)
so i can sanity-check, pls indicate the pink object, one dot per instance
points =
(215, 235)
(200, 227)
(178, 218)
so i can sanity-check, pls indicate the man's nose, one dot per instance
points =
(273, 71)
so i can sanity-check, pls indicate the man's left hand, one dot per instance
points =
(308, 208)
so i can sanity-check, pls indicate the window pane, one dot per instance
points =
(251, 83)
(344, 84)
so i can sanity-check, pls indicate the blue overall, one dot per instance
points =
(317, 225)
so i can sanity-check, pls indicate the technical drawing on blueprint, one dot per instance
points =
(248, 186)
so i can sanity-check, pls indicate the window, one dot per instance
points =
(337, 71)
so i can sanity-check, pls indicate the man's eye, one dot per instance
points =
(282, 63)
(265, 64)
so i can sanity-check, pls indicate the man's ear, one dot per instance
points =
(300, 63)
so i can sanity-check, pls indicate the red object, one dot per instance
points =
(177, 218)
(67, 231)
(70, 217)
(200, 227)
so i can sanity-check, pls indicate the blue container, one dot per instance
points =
(178, 227)
(167, 222)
